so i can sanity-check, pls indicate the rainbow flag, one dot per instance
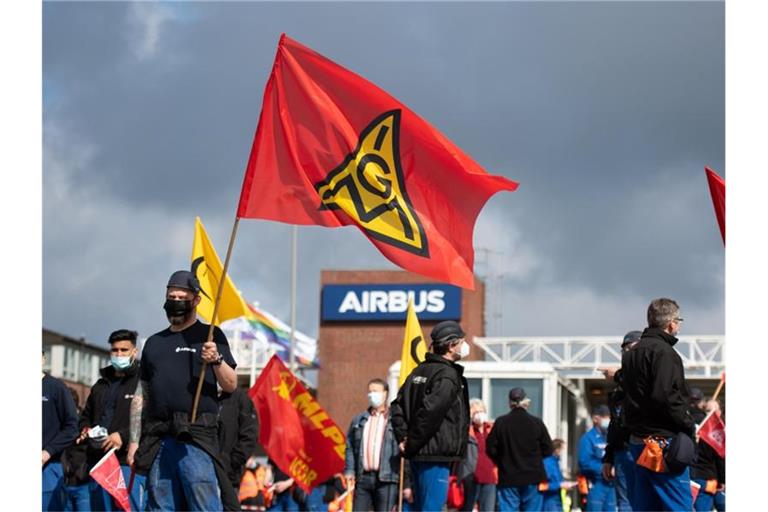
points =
(263, 327)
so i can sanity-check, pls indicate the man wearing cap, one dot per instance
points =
(592, 445)
(182, 459)
(618, 463)
(698, 405)
(518, 444)
(430, 416)
(656, 413)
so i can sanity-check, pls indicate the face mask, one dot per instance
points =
(177, 307)
(120, 362)
(604, 422)
(464, 350)
(375, 399)
(479, 418)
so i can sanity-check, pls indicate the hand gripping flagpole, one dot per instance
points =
(213, 316)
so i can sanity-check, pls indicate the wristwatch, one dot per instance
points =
(218, 360)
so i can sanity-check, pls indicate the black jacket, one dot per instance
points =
(708, 464)
(431, 411)
(618, 435)
(238, 430)
(97, 402)
(656, 401)
(518, 444)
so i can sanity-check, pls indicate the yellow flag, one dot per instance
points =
(414, 347)
(207, 266)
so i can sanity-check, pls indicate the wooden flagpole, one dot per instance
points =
(400, 485)
(213, 316)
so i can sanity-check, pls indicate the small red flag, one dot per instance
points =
(109, 475)
(333, 149)
(717, 191)
(294, 430)
(695, 488)
(712, 432)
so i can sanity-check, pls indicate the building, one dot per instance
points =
(75, 361)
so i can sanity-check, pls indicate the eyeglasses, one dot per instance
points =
(678, 320)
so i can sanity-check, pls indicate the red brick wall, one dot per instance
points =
(353, 353)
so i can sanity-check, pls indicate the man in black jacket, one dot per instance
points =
(656, 406)
(518, 444)
(430, 416)
(238, 430)
(109, 406)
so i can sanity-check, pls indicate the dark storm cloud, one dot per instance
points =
(605, 113)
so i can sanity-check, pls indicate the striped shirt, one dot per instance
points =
(373, 438)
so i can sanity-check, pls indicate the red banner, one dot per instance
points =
(712, 432)
(108, 474)
(717, 191)
(294, 430)
(333, 149)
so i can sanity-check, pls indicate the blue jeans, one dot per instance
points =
(601, 497)
(284, 502)
(315, 500)
(430, 485)
(76, 498)
(182, 477)
(625, 479)
(720, 501)
(552, 501)
(519, 497)
(704, 501)
(660, 491)
(102, 500)
(53, 485)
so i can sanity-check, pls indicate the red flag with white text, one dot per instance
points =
(712, 432)
(109, 475)
(295, 431)
(333, 149)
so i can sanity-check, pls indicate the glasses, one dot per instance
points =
(678, 320)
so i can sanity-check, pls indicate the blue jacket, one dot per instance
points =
(591, 451)
(389, 466)
(554, 475)
(59, 417)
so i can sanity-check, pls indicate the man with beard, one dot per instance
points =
(182, 458)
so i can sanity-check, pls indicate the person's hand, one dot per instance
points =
(350, 481)
(402, 446)
(609, 472)
(408, 495)
(210, 353)
(132, 447)
(46, 457)
(82, 436)
(112, 441)
(608, 372)
(567, 485)
(283, 485)
(712, 405)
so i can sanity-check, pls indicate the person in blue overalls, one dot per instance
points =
(602, 496)
(553, 501)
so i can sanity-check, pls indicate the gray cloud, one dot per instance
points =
(606, 113)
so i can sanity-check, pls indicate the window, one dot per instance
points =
(47, 365)
(70, 363)
(85, 368)
(500, 395)
(475, 388)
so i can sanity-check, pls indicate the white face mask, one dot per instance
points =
(604, 422)
(479, 418)
(376, 399)
(464, 350)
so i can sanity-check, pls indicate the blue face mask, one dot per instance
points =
(120, 362)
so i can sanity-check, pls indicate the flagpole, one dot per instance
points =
(294, 245)
(213, 316)
(717, 390)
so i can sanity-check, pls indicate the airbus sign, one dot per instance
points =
(390, 302)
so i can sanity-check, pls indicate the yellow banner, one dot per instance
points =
(414, 347)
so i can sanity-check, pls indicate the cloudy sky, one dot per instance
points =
(605, 113)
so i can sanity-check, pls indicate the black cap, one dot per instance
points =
(631, 337)
(516, 394)
(184, 279)
(696, 395)
(446, 331)
(601, 410)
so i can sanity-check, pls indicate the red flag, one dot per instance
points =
(333, 149)
(294, 430)
(717, 191)
(108, 474)
(695, 488)
(712, 432)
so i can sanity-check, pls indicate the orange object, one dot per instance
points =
(711, 486)
(652, 457)
(543, 486)
(582, 484)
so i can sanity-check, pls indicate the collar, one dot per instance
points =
(655, 332)
(108, 372)
(374, 412)
(434, 358)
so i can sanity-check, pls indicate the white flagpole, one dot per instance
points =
(294, 245)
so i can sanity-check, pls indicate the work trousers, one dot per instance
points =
(624, 465)
(601, 497)
(659, 491)
(430, 485)
(519, 497)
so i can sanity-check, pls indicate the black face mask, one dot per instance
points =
(177, 307)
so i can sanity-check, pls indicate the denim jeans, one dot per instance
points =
(53, 486)
(624, 465)
(659, 491)
(430, 485)
(601, 497)
(519, 497)
(182, 477)
(76, 498)
(373, 494)
(284, 502)
(102, 500)
(482, 494)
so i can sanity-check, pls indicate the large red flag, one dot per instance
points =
(717, 191)
(108, 474)
(712, 432)
(333, 149)
(294, 430)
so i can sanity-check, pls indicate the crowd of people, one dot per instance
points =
(431, 448)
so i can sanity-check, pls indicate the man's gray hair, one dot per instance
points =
(661, 312)
(476, 401)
